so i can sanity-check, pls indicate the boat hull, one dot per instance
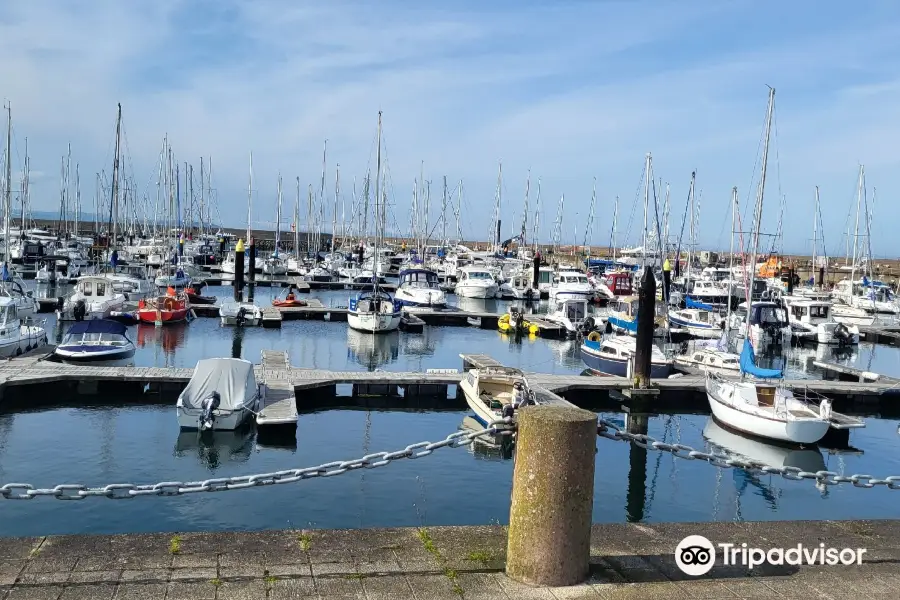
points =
(374, 322)
(190, 419)
(619, 367)
(80, 353)
(163, 316)
(802, 431)
(29, 337)
(476, 291)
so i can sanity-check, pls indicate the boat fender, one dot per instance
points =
(594, 336)
(825, 409)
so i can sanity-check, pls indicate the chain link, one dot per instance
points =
(127, 491)
(612, 431)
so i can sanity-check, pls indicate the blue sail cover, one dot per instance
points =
(691, 303)
(748, 365)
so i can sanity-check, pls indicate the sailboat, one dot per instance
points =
(757, 407)
(275, 264)
(374, 310)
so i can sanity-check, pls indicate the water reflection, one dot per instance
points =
(479, 305)
(488, 447)
(165, 340)
(735, 445)
(237, 342)
(372, 350)
(213, 448)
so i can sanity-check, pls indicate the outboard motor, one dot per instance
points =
(588, 325)
(842, 335)
(79, 310)
(825, 409)
(508, 410)
(240, 317)
(209, 405)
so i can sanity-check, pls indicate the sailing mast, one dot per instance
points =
(297, 225)
(537, 218)
(525, 210)
(444, 214)
(278, 218)
(687, 279)
(734, 205)
(590, 223)
(114, 194)
(337, 187)
(760, 192)
(25, 183)
(378, 229)
(815, 235)
(8, 188)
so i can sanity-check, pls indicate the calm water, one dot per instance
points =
(131, 442)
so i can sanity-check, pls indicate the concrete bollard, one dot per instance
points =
(553, 494)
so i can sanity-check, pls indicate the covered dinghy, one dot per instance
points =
(221, 395)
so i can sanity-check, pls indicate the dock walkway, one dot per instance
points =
(627, 560)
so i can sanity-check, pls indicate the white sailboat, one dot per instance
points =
(374, 310)
(756, 407)
(276, 265)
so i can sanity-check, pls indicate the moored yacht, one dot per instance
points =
(420, 287)
(611, 355)
(476, 282)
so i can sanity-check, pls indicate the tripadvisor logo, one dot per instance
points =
(695, 555)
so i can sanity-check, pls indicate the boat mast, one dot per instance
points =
(444, 214)
(859, 194)
(278, 218)
(615, 226)
(377, 206)
(297, 224)
(337, 186)
(590, 223)
(114, 194)
(202, 195)
(734, 205)
(250, 201)
(321, 216)
(309, 232)
(760, 192)
(815, 235)
(537, 217)
(687, 274)
(25, 184)
(8, 187)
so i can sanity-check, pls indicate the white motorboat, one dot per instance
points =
(494, 393)
(571, 313)
(811, 319)
(519, 287)
(476, 282)
(768, 324)
(320, 274)
(228, 264)
(870, 296)
(95, 340)
(93, 298)
(569, 283)
(45, 274)
(697, 322)
(852, 315)
(374, 311)
(240, 314)
(710, 360)
(420, 287)
(611, 355)
(221, 395)
(17, 337)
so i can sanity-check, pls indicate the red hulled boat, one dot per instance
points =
(174, 307)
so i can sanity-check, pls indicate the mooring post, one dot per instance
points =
(645, 321)
(239, 271)
(549, 539)
(790, 285)
(537, 271)
(251, 261)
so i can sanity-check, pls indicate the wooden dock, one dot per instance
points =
(279, 407)
(834, 371)
(880, 334)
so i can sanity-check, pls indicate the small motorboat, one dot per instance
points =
(95, 340)
(174, 307)
(289, 301)
(611, 354)
(17, 337)
(240, 314)
(514, 321)
(93, 298)
(196, 298)
(221, 395)
(495, 393)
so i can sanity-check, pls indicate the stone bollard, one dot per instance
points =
(553, 494)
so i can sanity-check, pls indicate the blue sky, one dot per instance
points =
(571, 90)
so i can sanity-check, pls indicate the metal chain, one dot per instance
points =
(122, 491)
(614, 432)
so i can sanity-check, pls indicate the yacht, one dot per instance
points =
(571, 284)
(811, 319)
(571, 313)
(275, 266)
(17, 337)
(476, 282)
(420, 287)
(374, 311)
(93, 298)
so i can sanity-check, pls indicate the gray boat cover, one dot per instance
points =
(233, 378)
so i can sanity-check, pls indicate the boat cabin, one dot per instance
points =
(574, 309)
(619, 283)
(545, 276)
(419, 278)
(95, 287)
(768, 314)
(716, 359)
(9, 317)
(811, 311)
(570, 277)
(475, 274)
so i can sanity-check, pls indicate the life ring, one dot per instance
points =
(594, 336)
(169, 304)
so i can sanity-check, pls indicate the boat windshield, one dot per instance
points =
(480, 275)
(9, 314)
(420, 279)
(94, 339)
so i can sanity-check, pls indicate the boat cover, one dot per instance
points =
(691, 303)
(97, 326)
(748, 365)
(233, 378)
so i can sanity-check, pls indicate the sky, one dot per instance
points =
(571, 91)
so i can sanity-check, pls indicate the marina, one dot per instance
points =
(490, 312)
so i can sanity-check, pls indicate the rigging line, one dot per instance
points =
(756, 164)
(778, 178)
